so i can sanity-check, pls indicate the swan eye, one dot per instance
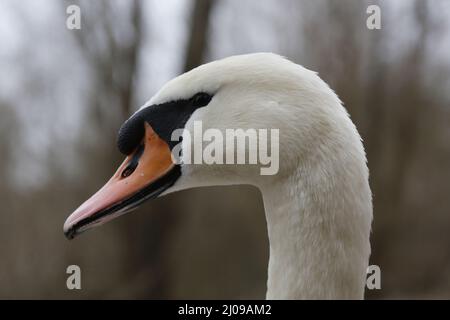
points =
(201, 99)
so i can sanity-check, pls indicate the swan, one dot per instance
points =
(318, 206)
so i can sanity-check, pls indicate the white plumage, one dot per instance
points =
(319, 206)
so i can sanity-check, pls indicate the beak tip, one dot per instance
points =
(69, 235)
(69, 231)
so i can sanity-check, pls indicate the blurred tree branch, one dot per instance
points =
(113, 60)
(199, 26)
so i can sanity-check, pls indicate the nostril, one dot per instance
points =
(128, 170)
(132, 165)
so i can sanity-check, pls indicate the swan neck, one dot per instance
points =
(319, 242)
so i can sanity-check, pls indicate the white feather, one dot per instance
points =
(319, 206)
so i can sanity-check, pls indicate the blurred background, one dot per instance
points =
(64, 94)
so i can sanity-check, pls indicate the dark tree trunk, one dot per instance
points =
(198, 36)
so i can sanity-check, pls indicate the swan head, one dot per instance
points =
(264, 93)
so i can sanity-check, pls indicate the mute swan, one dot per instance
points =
(318, 206)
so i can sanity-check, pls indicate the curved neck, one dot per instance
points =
(319, 237)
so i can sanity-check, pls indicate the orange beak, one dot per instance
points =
(144, 174)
